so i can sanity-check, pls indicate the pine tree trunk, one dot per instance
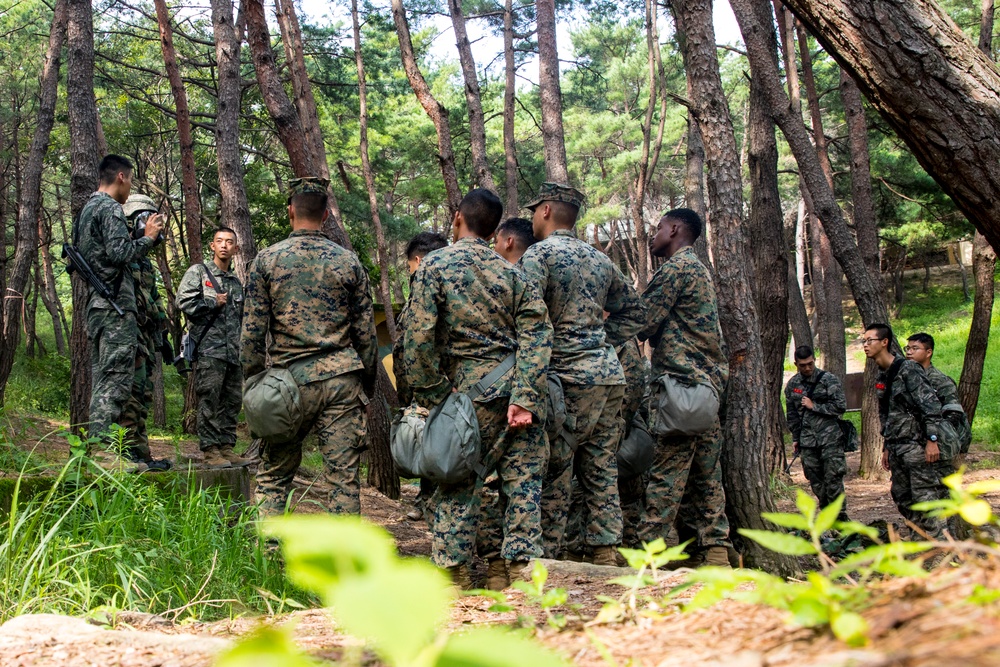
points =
(694, 185)
(509, 92)
(798, 318)
(26, 234)
(745, 426)
(550, 92)
(50, 297)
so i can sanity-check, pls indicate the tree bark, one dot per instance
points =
(766, 235)
(366, 167)
(50, 297)
(550, 93)
(234, 208)
(482, 175)
(694, 184)
(84, 159)
(189, 179)
(745, 427)
(509, 92)
(798, 318)
(434, 109)
(26, 230)
(916, 68)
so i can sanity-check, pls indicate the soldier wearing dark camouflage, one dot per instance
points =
(910, 413)
(682, 324)
(102, 236)
(469, 309)
(314, 299)
(579, 283)
(814, 401)
(215, 318)
(920, 348)
(151, 318)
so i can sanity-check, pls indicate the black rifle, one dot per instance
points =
(78, 263)
(788, 468)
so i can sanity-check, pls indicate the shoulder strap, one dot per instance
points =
(211, 278)
(812, 387)
(490, 378)
(890, 376)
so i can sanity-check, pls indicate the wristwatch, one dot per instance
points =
(933, 438)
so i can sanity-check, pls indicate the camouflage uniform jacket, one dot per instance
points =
(579, 283)
(816, 427)
(196, 298)
(944, 387)
(682, 322)
(469, 309)
(914, 408)
(636, 380)
(314, 298)
(152, 316)
(102, 236)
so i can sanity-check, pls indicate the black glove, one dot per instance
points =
(167, 351)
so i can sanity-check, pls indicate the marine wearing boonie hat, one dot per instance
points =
(307, 185)
(556, 192)
(136, 203)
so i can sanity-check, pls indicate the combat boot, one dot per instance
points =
(519, 570)
(496, 574)
(461, 577)
(237, 461)
(214, 458)
(717, 557)
(606, 555)
(574, 556)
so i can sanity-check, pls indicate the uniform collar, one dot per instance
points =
(307, 232)
(473, 240)
(571, 233)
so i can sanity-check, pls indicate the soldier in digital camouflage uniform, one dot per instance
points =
(102, 236)
(469, 309)
(910, 414)
(683, 327)
(920, 348)
(579, 284)
(814, 401)
(151, 320)
(215, 318)
(314, 298)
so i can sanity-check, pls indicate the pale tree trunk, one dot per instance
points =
(434, 109)
(26, 239)
(31, 308)
(745, 428)
(866, 228)
(50, 297)
(550, 93)
(234, 209)
(824, 204)
(766, 235)
(798, 318)
(694, 184)
(482, 175)
(984, 261)
(189, 179)
(509, 92)
(366, 167)
(84, 159)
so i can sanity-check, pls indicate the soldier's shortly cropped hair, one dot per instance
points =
(310, 205)
(924, 339)
(883, 331)
(803, 352)
(520, 230)
(425, 243)
(481, 210)
(227, 230)
(111, 166)
(689, 219)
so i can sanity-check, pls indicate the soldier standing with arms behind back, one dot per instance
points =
(102, 236)
(314, 298)
(814, 401)
(211, 296)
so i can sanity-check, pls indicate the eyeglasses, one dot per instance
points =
(869, 341)
(914, 348)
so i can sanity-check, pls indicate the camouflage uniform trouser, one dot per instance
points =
(137, 407)
(219, 386)
(632, 493)
(114, 340)
(593, 417)
(685, 486)
(515, 522)
(825, 467)
(335, 408)
(914, 481)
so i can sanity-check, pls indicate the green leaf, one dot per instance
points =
(266, 647)
(496, 596)
(808, 611)
(856, 528)
(878, 553)
(494, 647)
(806, 504)
(781, 543)
(850, 628)
(953, 481)
(553, 598)
(985, 486)
(655, 547)
(828, 515)
(636, 557)
(901, 568)
(976, 512)
(612, 612)
(983, 596)
(539, 575)
(787, 520)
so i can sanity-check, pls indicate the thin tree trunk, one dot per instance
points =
(509, 92)
(553, 144)
(797, 316)
(745, 427)
(26, 229)
(233, 207)
(189, 179)
(84, 157)
(435, 110)
(48, 292)
(482, 175)
(694, 183)
(30, 308)
(366, 167)
(303, 98)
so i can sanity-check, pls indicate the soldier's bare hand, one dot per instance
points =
(221, 299)
(807, 403)
(518, 417)
(795, 448)
(885, 459)
(154, 226)
(932, 454)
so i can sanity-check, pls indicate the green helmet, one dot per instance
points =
(137, 203)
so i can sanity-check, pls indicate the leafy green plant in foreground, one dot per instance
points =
(398, 606)
(646, 561)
